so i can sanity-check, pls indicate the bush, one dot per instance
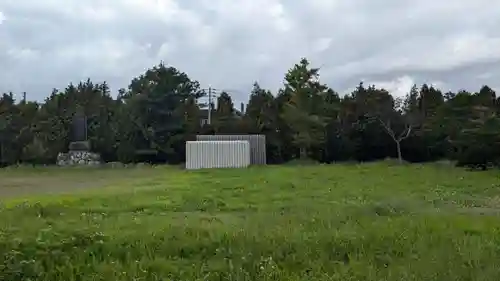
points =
(302, 162)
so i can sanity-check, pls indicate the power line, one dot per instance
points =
(209, 105)
(211, 95)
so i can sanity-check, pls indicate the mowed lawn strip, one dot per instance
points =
(26, 182)
(327, 222)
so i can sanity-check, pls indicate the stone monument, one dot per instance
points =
(79, 148)
(79, 125)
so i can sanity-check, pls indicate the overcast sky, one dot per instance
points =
(231, 43)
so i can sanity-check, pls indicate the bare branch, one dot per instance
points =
(406, 133)
(387, 127)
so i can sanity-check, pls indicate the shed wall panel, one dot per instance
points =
(257, 145)
(217, 154)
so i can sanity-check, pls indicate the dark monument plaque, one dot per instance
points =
(79, 126)
(79, 131)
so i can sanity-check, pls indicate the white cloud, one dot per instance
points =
(167, 11)
(229, 44)
(485, 75)
(23, 54)
(324, 5)
(399, 87)
(322, 44)
(165, 49)
(450, 52)
(98, 14)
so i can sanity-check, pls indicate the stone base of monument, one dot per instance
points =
(79, 146)
(78, 158)
(79, 155)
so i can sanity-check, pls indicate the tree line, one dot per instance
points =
(151, 119)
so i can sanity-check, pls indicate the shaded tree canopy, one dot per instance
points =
(163, 107)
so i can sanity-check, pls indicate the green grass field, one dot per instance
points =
(332, 222)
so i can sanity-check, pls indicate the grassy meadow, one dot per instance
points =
(327, 222)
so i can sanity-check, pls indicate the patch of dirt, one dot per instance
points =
(19, 187)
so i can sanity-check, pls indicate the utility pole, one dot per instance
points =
(209, 105)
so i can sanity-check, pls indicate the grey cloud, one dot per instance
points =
(229, 45)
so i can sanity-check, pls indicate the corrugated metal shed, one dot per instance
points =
(217, 154)
(257, 145)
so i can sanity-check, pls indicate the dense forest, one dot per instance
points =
(162, 108)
